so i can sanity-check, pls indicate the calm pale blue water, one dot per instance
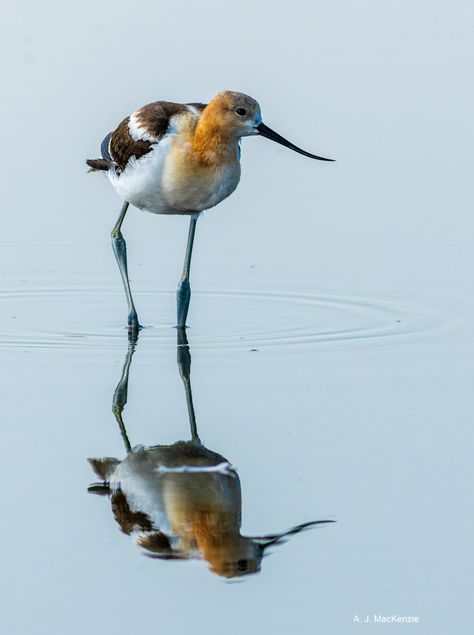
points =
(331, 320)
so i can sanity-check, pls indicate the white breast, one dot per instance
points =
(154, 182)
(199, 189)
(223, 184)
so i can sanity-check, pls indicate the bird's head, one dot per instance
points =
(240, 115)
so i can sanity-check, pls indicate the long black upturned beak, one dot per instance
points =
(267, 132)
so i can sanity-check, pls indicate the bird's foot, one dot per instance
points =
(183, 297)
(134, 325)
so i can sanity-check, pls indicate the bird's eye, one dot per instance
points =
(241, 112)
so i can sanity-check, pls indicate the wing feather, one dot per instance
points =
(135, 135)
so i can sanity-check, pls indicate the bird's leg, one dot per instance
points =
(183, 294)
(184, 366)
(121, 391)
(120, 250)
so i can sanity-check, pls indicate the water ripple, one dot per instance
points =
(68, 318)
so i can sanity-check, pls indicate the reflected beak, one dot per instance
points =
(275, 539)
(267, 132)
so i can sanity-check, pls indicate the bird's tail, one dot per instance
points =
(98, 165)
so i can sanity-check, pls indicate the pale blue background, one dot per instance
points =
(376, 434)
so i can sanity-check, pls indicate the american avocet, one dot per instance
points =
(169, 158)
(181, 501)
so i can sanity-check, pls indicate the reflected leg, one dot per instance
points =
(183, 294)
(121, 392)
(120, 250)
(184, 365)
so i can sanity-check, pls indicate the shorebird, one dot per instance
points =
(181, 501)
(169, 158)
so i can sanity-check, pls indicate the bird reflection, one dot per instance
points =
(181, 501)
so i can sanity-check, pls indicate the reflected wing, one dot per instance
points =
(128, 520)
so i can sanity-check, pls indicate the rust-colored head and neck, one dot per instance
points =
(227, 118)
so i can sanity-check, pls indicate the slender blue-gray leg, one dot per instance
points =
(184, 366)
(120, 250)
(183, 294)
